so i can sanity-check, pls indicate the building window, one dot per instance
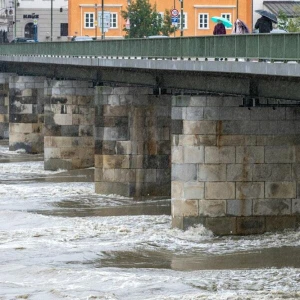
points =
(113, 20)
(203, 21)
(184, 20)
(63, 29)
(89, 20)
(226, 16)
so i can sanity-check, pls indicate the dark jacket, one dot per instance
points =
(264, 25)
(219, 29)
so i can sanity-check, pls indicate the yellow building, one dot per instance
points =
(197, 14)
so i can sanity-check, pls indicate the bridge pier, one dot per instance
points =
(132, 132)
(4, 105)
(235, 170)
(26, 113)
(69, 124)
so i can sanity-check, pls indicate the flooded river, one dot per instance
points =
(60, 240)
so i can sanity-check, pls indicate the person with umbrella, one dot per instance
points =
(219, 28)
(264, 23)
(239, 27)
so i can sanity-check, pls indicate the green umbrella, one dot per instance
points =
(226, 22)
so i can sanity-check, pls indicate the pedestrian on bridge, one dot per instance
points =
(264, 25)
(219, 28)
(239, 27)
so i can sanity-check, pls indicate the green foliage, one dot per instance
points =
(282, 20)
(145, 20)
(292, 24)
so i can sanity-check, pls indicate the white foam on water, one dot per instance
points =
(52, 257)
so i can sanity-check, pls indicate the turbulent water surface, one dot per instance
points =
(60, 240)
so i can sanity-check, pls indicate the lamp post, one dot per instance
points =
(102, 25)
(51, 29)
(16, 4)
(96, 21)
(181, 17)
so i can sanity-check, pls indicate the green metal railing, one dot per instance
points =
(284, 47)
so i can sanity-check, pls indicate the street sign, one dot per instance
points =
(174, 20)
(35, 21)
(106, 20)
(174, 12)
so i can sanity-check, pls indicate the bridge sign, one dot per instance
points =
(174, 12)
(174, 21)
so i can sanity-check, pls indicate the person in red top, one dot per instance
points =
(219, 29)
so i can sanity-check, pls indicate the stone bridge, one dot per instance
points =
(220, 138)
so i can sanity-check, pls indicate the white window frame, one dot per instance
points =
(91, 24)
(161, 14)
(112, 23)
(226, 16)
(199, 23)
(185, 20)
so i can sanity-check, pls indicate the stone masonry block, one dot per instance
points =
(239, 172)
(184, 172)
(250, 154)
(279, 154)
(194, 140)
(177, 222)
(177, 188)
(212, 172)
(233, 101)
(272, 172)
(234, 113)
(250, 225)
(199, 127)
(115, 111)
(193, 154)
(52, 153)
(184, 208)
(15, 128)
(197, 101)
(280, 190)
(177, 155)
(116, 161)
(221, 225)
(178, 113)
(280, 223)
(248, 190)
(212, 208)
(193, 190)
(239, 207)
(272, 207)
(217, 155)
(295, 206)
(240, 127)
(237, 140)
(194, 113)
(219, 190)
(63, 119)
(211, 113)
(99, 161)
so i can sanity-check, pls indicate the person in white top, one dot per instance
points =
(239, 27)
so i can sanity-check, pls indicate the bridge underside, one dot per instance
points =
(246, 85)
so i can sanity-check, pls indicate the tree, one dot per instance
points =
(292, 24)
(145, 20)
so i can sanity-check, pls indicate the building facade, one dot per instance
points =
(83, 15)
(45, 20)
